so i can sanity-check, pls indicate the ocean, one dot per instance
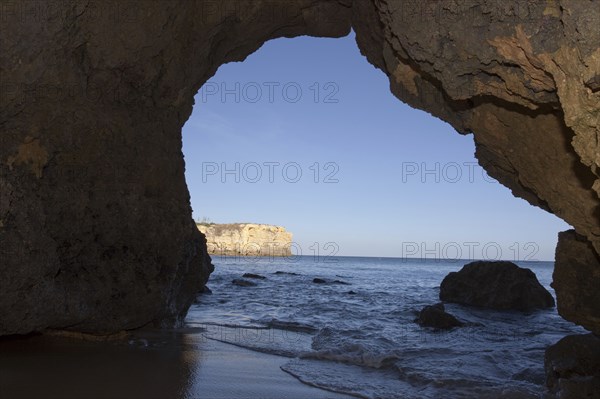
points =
(356, 334)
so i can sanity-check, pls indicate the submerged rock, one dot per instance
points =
(243, 283)
(254, 276)
(436, 316)
(205, 290)
(573, 367)
(323, 281)
(340, 282)
(500, 285)
(288, 273)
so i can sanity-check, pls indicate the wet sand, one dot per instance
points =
(148, 365)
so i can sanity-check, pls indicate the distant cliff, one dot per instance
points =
(246, 239)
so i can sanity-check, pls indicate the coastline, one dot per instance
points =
(156, 364)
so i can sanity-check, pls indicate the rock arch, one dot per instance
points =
(95, 222)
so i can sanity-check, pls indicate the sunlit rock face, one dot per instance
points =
(95, 221)
(246, 239)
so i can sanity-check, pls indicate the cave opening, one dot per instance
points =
(382, 200)
(98, 242)
(277, 139)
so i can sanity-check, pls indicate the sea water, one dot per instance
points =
(356, 334)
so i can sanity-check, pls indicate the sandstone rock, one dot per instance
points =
(435, 316)
(246, 239)
(254, 276)
(573, 367)
(243, 283)
(95, 221)
(498, 285)
(577, 280)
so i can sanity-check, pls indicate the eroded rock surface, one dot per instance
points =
(519, 75)
(577, 281)
(497, 285)
(95, 222)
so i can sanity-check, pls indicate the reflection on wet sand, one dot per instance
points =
(58, 367)
(180, 364)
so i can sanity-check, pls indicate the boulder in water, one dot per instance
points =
(435, 316)
(500, 285)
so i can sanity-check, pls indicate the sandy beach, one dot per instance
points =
(146, 365)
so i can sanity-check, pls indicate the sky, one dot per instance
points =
(305, 134)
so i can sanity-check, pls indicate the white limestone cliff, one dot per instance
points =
(246, 239)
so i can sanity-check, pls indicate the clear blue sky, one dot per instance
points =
(384, 203)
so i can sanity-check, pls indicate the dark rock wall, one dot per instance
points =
(95, 222)
(95, 218)
(573, 367)
(577, 281)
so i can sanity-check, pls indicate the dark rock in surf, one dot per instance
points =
(243, 283)
(205, 290)
(573, 367)
(500, 285)
(340, 282)
(323, 281)
(435, 316)
(254, 276)
(287, 273)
